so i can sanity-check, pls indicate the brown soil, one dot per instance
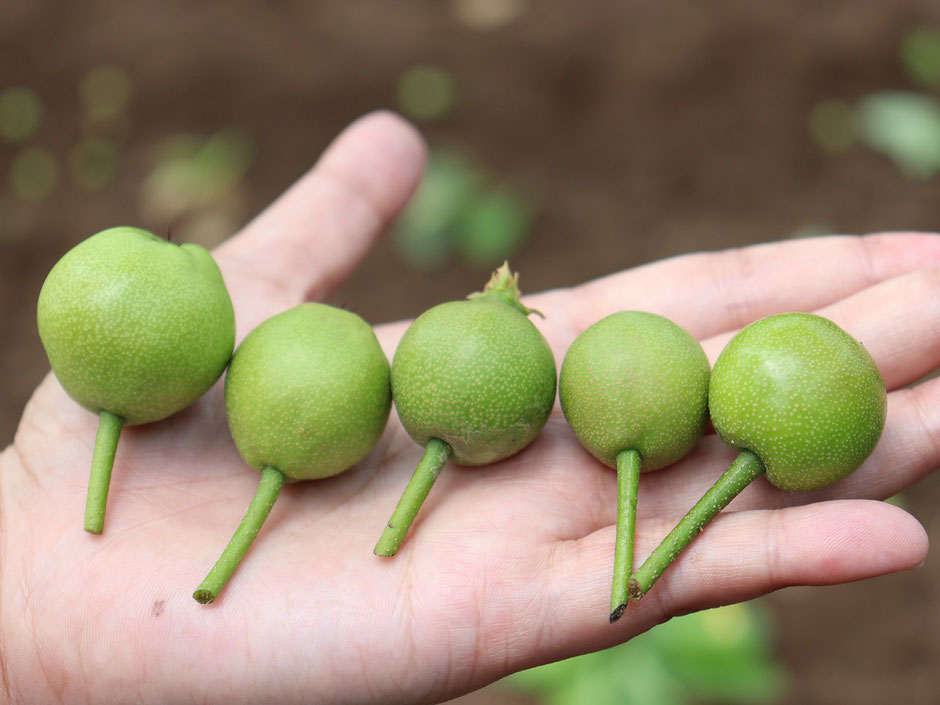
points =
(643, 130)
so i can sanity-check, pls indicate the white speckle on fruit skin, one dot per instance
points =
(803, 395)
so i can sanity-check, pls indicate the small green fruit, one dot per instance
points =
(136, 325)
(136, 328)
(801, 400)
(477, 375)
(801, 394)
(307, 396)
(634, 389)
(636, 381)
(308, 392)
(474, 380)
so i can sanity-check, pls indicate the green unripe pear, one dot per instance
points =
(136, 328)
(307, 396)
(634, 389)
(473, 380)
(477, 375)
(801, 394)
(636, 381)
(801, 400)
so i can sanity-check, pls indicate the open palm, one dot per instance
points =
(507, 566)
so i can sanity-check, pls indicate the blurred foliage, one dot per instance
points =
(93, 163)
(457, 214)
(487, 14)
(191, 189)
(426, 92)
(920, 55)
(194, 185)
(721, 655)
(811, 230)
(20, 113)
(832, 124)
(902, 125)
(898, 500)
(905, 127)
(106, 91)
(34, 174)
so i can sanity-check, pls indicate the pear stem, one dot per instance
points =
(272, 480)
(744, 470)
(628, 484)
(102, 460)
(435, 455)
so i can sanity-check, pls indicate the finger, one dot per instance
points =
(311, 238)
(708, 293)
(897, 320)
(738, 557)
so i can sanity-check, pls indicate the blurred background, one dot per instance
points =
(577, 139)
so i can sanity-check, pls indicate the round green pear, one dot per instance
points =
(634, 389)
(136, 328)
(801, 394)
(307, 396)
(308, 392)
(472, 380)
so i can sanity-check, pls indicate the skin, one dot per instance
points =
(506, 573)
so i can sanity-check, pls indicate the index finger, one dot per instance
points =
(709, 293)
(311, 238)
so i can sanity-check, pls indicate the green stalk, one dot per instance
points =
(102, 460)
(435, 455)
(628, 484)
(744, 470)
(272, 480)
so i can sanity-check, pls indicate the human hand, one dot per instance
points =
(507, 566)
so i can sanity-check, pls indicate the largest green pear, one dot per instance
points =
(136, 328)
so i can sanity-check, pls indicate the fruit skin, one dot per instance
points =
(308, 392)
(803, 395)
(136, 325)
(476, 374)
(636, 380)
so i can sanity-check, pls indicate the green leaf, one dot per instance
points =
(493, 229)
(427, 92)
(34, 174)
(719, 655)
(832, 125)
(93, 163)
(20, 113)
(920, 55)
(906, 128)
(426, 230)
